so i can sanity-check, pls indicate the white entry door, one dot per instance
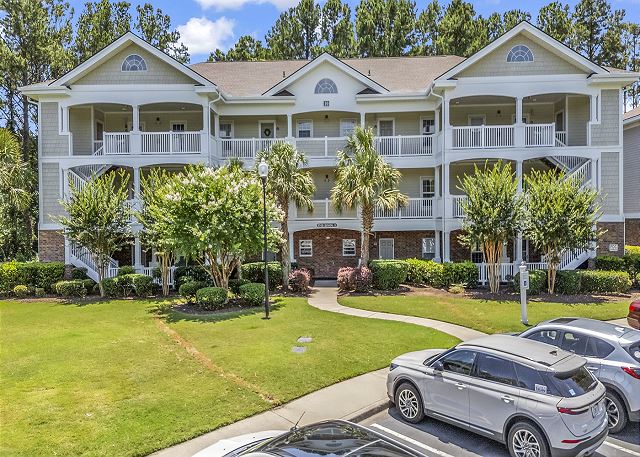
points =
(385, 248)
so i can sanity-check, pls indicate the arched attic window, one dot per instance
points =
(134, 62)
(326, 86)
(520, 53)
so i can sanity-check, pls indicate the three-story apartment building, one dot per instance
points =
(525, 98)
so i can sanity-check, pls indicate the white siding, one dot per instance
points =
(610, 183)
(631, 160)
(607, 132)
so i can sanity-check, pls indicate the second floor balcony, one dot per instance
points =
(156, 143)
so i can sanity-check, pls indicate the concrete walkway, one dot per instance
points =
(325, 297)
(354, 399)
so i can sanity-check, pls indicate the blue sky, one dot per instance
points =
(207, 24)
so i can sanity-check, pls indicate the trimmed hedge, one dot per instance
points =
(253, 293)
(89, 285)
(597, 281)
(568, 282)
(299, 280)
(188, 290)
(142, 285)
(461, 273)
(21, 291)
(211, 298)
(610, 263)
(39, 292)
(388, 274)
(537, 282)
(78, 273)
(425, 272)
(632, 250)
(254, 272)
(126, 270)
(31, 274)
(234, 284)
(196, 273)
(110, 287)
(73, 288)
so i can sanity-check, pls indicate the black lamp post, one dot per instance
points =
(263, 171)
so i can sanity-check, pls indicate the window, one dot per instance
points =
(178, 126)
(134, 62)
(305, 129)
(477, 120)
(428, 248)
(496, 369)
(226, 129)
(574, 342)
(476, 254)
(427, 187)
(520, 53)
(598, 348)
(386, 127)
(459, 361)
(529, 378)
(306, 248)
(348, 248)
(545, 336)
(326, 86)
(428, 126)
(347, 126)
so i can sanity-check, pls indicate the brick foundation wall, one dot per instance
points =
(632, 229)
(406, 245)
(327, 251)
(457, 251)
(50, 246)
(614, 235)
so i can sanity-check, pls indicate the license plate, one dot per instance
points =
(596, 409)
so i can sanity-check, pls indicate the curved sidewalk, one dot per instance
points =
(325, 297)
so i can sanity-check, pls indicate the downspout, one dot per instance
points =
(210, 108)
(444, 210)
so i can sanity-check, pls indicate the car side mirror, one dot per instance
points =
(437, 366)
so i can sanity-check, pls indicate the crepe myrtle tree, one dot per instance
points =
(364, 179)
(215, 214)
(288, 182)
(98, 218)
(560, 215)
(493, 213)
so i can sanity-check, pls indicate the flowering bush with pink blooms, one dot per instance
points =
(346, 279)
(357, 279)
(299, 280)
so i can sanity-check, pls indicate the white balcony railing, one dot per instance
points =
(561, 139)
(483, 136)
(117, 143)
(320, 147)
(98, 147)
(324, 209)
(404, 145)
(536, 135)
(417, 208)
(171, 142)
(248, 148)
(507, 270)
(457, 202)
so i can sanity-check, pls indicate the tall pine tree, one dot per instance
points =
(385, 27)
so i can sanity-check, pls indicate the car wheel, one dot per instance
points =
(409, 403)
(616, 412)
(525, 440)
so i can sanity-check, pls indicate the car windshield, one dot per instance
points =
(332, 439)
(573, 383)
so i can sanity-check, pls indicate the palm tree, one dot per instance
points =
(288, 182)
(365, 180)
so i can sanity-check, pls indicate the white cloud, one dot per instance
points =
(220, 5)
(202, 35)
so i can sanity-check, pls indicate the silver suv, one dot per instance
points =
(538, 399)
(613, 356)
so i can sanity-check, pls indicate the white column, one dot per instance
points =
(65, 119)
(519, 175)
(446, 199)
(594, 173)
(136, 118)
(137, 254)
(447, 140)
(518, 110)
(136, 139)
(136, 183)
(519, 135)
(289, 125)
(436, 123)
(205, 118)
(362, 119)
(447, 247)
(438, 256)
(518, 253)
(292, 249)
(216, 124)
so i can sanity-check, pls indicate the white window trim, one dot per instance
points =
(564, 120)
(427, 118)
(310, 121)
(141, 125)
(533, 56)
(422, 178)
(525, 116)
(355, 124)
(422, 246)
(178, 122)
(220, 128)
(267, 121)
(483, 116)
(95, 130)
(134, 71)
(393, 245)
(354, 247)
(392, 119)
(300, 248)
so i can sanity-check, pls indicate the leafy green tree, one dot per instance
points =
(512, 18)
(493, 213)
(555, 19)
(246, 48)
(385, 28)
(288, 182)
(427, 30)
(15, 194)
(155, 27)
(295, 35)
(337, 29)
(98, 218)
(560, 215)
(459, 33)
(99, 24)
(613, 52)
(632, 45)
(365, 180)
(214, 215)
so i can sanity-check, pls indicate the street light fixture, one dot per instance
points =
(263, 171)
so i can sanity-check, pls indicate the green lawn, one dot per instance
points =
(487, 316)
(106, 378)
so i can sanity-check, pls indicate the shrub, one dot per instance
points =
(211, 298)
(79, 273)
(110, 287)
(425, 272)
(40, 292)
(632, 264)
(457, 288)
(142, 284)
(126, 270)
(254, 272)
(234, 284)
(21, 291)
(299, 280)
(597, 281)
(188, 290)
(610, 263)
(73, 288)
(568, 282)
(388, 274)
(32, 274)
(195, 273)
(537, 282)
(632, 250)
(124, 284)
(346, 279)
(460, 273)
(48, 273)
(363, 279)
(252, 293)
(89, 284)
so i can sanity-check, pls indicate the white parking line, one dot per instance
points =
(411, 440)
(623, 449)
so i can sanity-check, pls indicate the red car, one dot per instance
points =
(634, 314)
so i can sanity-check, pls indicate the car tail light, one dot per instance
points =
(634, 306)
(634, 372)
(571, 411)
(575, 441)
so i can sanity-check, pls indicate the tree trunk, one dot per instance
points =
(367, 226)
(165, 265)
(286, 257)
(493, 257)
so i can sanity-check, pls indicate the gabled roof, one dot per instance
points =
(632, 116)
(533, 33)
(119, 44)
